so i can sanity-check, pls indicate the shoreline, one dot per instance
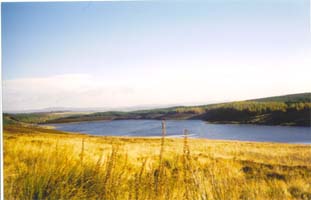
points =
(174, 137)
(208, 122)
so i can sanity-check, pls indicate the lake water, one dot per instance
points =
(197, 129)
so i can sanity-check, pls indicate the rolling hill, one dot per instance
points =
(291, 110)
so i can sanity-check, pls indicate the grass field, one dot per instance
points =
(48, 164)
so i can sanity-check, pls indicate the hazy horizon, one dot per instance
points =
(127, 54)
(127, 108)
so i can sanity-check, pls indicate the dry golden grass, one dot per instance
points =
(48, 164)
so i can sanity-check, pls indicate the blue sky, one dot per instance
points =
(144, 53)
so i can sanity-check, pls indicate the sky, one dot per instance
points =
(117, 54)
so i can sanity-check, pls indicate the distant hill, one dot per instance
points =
(86, 109)
(291, 98)
(291, 110)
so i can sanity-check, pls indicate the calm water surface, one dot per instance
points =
(197, 128)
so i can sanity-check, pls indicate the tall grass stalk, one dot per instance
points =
(159, 172)
(82, 164)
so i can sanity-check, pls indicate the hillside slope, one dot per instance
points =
(291, 98)
(291, 110)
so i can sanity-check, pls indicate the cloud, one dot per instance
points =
(69, 90)
(154, 87)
